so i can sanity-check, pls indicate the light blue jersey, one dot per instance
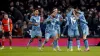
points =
(35, 19)
(50, 24)
(84, 28)
(36, 30)
(50, 30)
(57, 26)
(72, 25)
(71, 21)
(83, 24)
(69, 14)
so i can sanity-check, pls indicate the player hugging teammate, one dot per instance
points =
(76, 22)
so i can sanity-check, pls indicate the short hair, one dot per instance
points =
(5, 14)
(55, 8)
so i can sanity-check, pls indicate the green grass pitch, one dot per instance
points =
(47, 51)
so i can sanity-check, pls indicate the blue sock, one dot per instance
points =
(29, 42)
(86, 43)
(70, 44)
(78, 43)
(40, 43)
(55, 44)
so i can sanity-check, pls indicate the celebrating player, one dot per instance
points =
(84, 29)
(57, 26)
(72, 29)
(50, 30)
(36, 30)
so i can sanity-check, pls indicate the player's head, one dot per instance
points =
(12, 8)
(77, 14)
(55, 10)
(6, 16)
(36, 12)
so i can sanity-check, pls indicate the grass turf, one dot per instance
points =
(47, 51)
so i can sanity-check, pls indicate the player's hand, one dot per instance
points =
(36, 24)
(15, 30)
(10, 33)
(2, 31)
(50, 19)
(61, 19)
(77, 18)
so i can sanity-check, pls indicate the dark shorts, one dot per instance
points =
(6, 34)
(1, 34)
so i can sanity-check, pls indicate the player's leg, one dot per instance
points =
(3, 40)
(54, 36)
(58, 48)
(85, 33)
(54, 43)
(78, 43)
(47, 36)
(77, 40)
(40, 41)
(32, 38)
(29, 42)
(10, 39)
(68, 43)
(58, 35)
(86, 43)
(70, 48)
(39, 35)
(70, 39)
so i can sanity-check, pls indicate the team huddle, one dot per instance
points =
(75, 21)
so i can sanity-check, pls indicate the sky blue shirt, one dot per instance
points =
(72, 23)
(50, 24)
(58, 22)
(83, 22)
(35, 19)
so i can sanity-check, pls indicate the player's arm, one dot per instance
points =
(61, 18)
(2, 26)
(82, 17)
(33, 22)
(74, 13)
(67, 22)
(47, 20)
(50, 17)
(70, 12)
(11, 25)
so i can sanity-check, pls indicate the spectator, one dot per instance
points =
(17, 31)
(98, 6)
(0, 29)
(16, 14)
(25, 29)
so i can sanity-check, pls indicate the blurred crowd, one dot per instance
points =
(20, 12)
